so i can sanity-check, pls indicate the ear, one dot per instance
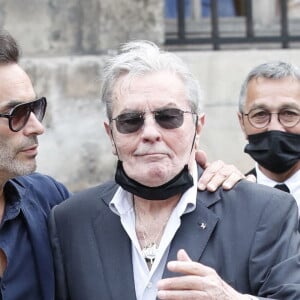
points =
(241, 120)
(199, 126)
(108, 131)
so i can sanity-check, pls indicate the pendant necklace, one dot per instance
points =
(150, 248)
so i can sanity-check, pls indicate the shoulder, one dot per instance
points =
(40, 187)
(88, 199)
(260, 192)
(37, 179)
(260, 199)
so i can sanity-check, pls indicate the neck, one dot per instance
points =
(155, 207)
(151, 218)
(282, 176)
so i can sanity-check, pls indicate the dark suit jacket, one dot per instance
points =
(38, 194)
(250, 239)
(253, 172)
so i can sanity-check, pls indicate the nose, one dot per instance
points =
(150, 130)
(33, 126)
(275, 124)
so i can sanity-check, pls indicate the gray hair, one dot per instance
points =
(137, 58)
(9, 50)
(270, 70)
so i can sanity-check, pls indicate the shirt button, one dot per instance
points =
(150, 285)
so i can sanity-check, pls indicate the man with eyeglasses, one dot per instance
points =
(26, 265)
(150, 234)
(269, 115)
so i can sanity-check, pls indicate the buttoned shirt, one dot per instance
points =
(20, 277)
(146, 280)
(293, 183)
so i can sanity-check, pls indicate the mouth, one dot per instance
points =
(153, 156)
(31, 150)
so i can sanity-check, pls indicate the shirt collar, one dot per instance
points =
(292, 182)
(13, 201)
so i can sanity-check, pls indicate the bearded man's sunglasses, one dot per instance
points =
(169, 118)
(19, 115)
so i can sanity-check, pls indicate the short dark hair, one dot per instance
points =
(9, 50)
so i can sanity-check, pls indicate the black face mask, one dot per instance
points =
(178, 185)
(276, 151)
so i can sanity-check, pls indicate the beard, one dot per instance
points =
(13, 165)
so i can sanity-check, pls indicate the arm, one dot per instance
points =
(218, 174)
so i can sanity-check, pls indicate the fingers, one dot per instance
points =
(201, 158)
(185, 265)
(251, 178)
(187, 287)
(208, 178)
(198, 282)
(219, 174)
(181, 295)
(231, 177)
(182, 255)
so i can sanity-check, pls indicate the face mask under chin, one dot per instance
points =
(177, 185)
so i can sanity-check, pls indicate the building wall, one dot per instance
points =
(68, 27)
(65, 44)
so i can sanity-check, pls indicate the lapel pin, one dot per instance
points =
(203, 225)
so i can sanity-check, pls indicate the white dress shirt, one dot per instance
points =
(145, 280)
(293, 183)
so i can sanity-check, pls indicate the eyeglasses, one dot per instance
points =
(19, 115)
(170, 118)
(260, 118)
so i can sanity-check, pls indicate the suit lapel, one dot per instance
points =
(195, 230)
(115, 251)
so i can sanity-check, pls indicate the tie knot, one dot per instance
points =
(282, 187)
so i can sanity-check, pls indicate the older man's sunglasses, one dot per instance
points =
(19, 115)
(169, 118)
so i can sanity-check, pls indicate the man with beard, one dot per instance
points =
(269, 115)
(150, 234)
(26, 266)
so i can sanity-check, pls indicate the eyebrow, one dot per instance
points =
(10, 105)
(165, 106)
(284, 106)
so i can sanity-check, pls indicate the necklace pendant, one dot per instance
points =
(149, 252)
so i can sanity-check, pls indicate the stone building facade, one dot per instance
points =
(65, 44)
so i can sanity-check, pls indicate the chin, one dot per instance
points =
(153, 179)
(25, 169)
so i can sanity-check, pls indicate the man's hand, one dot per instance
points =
(218, 174)
(198, 282)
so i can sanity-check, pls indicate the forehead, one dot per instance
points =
(149, 91)
(273, 92)
(15, 84)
